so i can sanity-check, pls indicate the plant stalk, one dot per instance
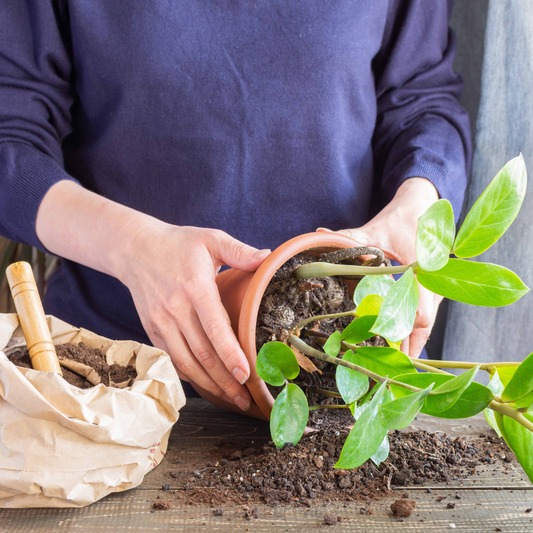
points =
(328, 407)
(511, 413)
(310, 319)
(324, 392)
(307, 350)
(322, 270)
(467, 365)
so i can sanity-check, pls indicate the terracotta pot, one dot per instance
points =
(241, 294)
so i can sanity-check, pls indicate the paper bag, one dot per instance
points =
(61, 446)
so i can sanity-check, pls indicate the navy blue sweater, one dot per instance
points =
(264, 118)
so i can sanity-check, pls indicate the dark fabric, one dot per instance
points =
(265, 119)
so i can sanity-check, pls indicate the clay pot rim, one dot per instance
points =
(318, 242)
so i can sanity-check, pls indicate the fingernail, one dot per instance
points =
(325, 229)
(242, 403)
(261, 254)
(240, 375)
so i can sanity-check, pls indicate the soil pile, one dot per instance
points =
(299, 475)
(81, 353)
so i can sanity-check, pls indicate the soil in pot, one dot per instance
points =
(81, 353)
(285, 303)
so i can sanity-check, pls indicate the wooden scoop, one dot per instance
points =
(31, 317)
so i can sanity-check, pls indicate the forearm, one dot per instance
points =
(84, 227)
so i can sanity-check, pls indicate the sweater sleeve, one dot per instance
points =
(35, 99)
(421, 129)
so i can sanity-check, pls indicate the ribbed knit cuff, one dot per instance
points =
(26, 175)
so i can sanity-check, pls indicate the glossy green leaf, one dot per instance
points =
(496, 387)
(482, 284)
(473, 400)
(444, 396)
(333, 344)
(366, 436)
(387, 362)
(521, 383)
(520, 440)
(399, 413)
(350, 383)
(397, 314)
(359, 329)
(369, 306)
(434, 236)
(289, 416)
(372, 285)
(494, 211)
(506, 373)
(275, 363)
(382, 453)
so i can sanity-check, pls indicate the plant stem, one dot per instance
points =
(432, 369)
(322, 270)
(316, 390)
(467, 365)
(511, 413)
(306, 349)
(310, 319)
(328, 407)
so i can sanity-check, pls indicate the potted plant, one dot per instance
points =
(385, 309)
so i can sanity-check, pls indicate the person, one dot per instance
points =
(149, 144)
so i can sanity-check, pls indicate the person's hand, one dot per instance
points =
(393, 230)
(171, 275)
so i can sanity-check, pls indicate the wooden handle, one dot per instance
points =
(31, 317)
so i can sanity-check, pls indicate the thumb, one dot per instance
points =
(236, 254)
(357, 234)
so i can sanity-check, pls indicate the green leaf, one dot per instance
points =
(521, 383)
(370, 305)
(372, 285)
(482, 284)
(289, 416)
(397, 314)
(496, 387)
(382, 453)
(399, 413)
(494, 211)
(520, 440)
(359, 330)
(384, 361)
(350, 383)
(366, 436)
(275, 363)
(473, 400)
(506, 373)
(434, 236)
(333, 344)
(444, 396)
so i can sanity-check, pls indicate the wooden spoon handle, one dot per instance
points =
(31, 317)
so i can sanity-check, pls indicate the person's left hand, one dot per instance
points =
(393, 230)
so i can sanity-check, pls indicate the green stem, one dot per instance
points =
(467, 365)
(428, 368)
(322, 270)
(303, 323)
(511, 413)
(328, 407)
(324, 392)
(300, 345)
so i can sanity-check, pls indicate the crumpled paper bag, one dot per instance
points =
(61, 446)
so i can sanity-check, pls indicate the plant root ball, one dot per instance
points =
(403, 508)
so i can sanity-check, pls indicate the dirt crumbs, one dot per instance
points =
(330, 520)
(161, 505)
(299, 475)
(403, 508)
(69, 354)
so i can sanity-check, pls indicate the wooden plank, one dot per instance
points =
(194, 440)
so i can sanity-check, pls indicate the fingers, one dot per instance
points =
(428, 305)
(234, 253)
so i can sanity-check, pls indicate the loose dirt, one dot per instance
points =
(81, 353)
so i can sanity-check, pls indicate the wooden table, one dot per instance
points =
(488, 501)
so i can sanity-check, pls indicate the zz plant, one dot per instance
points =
(385, 389)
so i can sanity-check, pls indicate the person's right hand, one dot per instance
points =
(170, 272)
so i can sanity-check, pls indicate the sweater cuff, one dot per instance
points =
(27, 176)
(434, 170)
